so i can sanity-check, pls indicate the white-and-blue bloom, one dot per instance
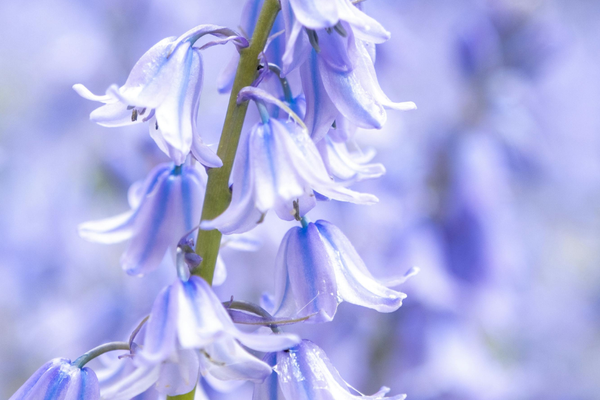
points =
(304, 372)
(188, 315)
(277, 164)
(163, 89)
(339, 79)
(58, 379)
(317, 268)
(164, 207)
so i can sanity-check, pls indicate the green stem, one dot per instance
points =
(98, 351)
(218, 195)
(187, 396)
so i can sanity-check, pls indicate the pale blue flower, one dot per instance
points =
(338, 77)
(276, 165)
(164, 207)
(58, 379)
(163, 89)
(188, 315)
(317, 268)
(304, 372)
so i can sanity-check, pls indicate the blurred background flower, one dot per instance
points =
(491, 189)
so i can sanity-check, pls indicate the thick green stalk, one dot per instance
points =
(218, 195)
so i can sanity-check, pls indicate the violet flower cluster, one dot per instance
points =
(292, 158)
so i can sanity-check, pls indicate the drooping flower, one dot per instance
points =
(163, 89)
(188, 315)
(165, 206)
(336, 57)
(277, 165)
(304, 372)
(317, 268)
(58, 379)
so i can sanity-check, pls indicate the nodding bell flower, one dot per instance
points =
(336, 59)
(59, 379)
(163, 89)
(188, 315)
(164, 207)
(277, 166)
(317, 268)
(304, 372)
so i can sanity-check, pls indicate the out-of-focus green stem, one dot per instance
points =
(218, 195)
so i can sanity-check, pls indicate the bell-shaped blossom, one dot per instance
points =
(336, 67)
(345, 166)
(188, 315)
(352, 93)
(59, 379)
(304, 372)
(317, 268)
(163, 89)
(164, 207)
(277, 165)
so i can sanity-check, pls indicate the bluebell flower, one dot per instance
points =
(276, 165)
(188, 315)
(58, 379)
(317, 268)
(336, 66)
(352, 93)
(164, 207)
(163, 89)
(304, 372)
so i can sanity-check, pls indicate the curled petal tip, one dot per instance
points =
(404, 106)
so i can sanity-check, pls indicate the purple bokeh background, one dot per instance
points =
(492, 189)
